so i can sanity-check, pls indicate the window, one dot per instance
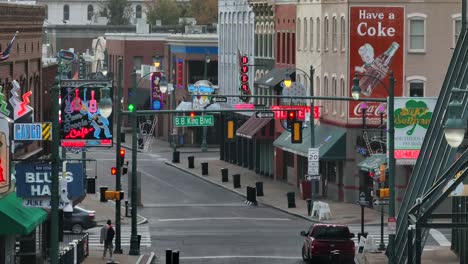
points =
(137, 60)
(343, 34)
(311, 41)
(456, 30)
(416, 89)
(325, 92)
(334, 33)
(90, 12)
(299, 35)
(335, 94)
(138, 11)
(325, 33)
(305, 33)
(417, 29)
(343, 93)
(66, 12)
(318, 34)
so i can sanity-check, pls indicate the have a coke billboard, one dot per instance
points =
(376, 47)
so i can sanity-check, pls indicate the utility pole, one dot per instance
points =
(54, 203)
(314, 183)
(205, 128)
(118, 184)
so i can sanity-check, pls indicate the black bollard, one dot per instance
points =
(309, 207)
(252, 195)
(236, 180)
(248, 193)
(204, 168)
(291, 199)
(126, 209)
(139, 241)
(224, 175)
(175, 257)
(168, 256)
(103, 190)
(175, 157)
(191, 160)
(259, 187)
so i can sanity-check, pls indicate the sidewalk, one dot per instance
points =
(104, 211)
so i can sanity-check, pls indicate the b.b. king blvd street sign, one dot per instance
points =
(187, 121)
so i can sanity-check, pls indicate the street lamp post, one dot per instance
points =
(54, 203)
(205, 128)
(118, 184)
(391, 150)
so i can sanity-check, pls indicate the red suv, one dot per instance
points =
(328, 242)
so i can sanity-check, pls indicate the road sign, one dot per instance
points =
(264, 114)
(32, 131)
(313, 161)
(218, 99)
(381, 202)
(313, 177)
(87, 83)
(391, 226)
(187, 121)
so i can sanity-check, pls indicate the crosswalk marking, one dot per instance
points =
(125, 234)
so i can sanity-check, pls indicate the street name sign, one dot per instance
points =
(313, 161)
(264, 114)
(218, 99)
(187, 121)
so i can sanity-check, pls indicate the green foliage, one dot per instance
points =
(168, 11)
(118, 12)
(415, 113)
(205, 11)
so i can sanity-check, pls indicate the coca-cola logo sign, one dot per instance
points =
(376, 41)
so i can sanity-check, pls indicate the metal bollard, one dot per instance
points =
(191, 161)
(126, 209)
(259, 187)
(204, 168)
(175, 257)
(175, 157)
(224, 175)
(309, 207)
(168, 256)
(291, 199)
(236, 180)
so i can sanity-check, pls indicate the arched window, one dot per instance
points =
(343, 93)
(335, 94)
(299, 34)
(138, 11)
(90, 12)
(66, 12)
(305, 33)
(325, 92)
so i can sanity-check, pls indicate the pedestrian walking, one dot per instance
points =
(107, 236)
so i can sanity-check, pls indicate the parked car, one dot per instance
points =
(80, 219)
(321, 240)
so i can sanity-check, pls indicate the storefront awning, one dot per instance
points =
(252, 126)
(373, 162)
(16, 219)
(330, 140)
(273, 78)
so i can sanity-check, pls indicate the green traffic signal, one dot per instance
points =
(131, 107)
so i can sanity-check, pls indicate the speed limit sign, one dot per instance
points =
(313, 161)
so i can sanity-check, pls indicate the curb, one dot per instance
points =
(144, 221)
(240, 194)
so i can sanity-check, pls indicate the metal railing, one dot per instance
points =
(74, 247)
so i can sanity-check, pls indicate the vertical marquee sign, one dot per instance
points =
(83, 124)
(376, 47)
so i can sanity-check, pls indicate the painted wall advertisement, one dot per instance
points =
(376, 47)
(34, 180)
(412, 118)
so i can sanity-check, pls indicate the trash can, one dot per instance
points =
(236, 180)
(224, 175)
(90, 185)
(204, 168)
(191, 160)
(291, 199)
(259, 187)
(175, 157)
(102, 190)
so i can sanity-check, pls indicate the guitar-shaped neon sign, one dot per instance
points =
(76, 104)
(68, 107)
(92, 105)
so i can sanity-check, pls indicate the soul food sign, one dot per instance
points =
(34, 180)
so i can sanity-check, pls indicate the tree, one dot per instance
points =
(165, 10)
(205, 11)
(118, 12)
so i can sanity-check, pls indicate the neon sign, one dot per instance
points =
(282, 110)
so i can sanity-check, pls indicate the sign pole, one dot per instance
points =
(54, 217)
(118, 184)
(314, 183)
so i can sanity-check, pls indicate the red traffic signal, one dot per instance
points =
(113, 170)
(122, 153)
(192, 114)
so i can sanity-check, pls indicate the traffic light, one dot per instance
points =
(290, 118)
(131, 107)
(114, 195)
(125, 168)
(383, 193)
(192, 114)
(121, 157)
(244, 78)
(296, 132)
(113, 170)
(383, 172)
(230, 130)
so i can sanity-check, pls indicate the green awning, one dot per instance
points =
(330, 140)
(16, 219)
(373, 162)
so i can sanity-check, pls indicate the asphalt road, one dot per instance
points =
(206, 223)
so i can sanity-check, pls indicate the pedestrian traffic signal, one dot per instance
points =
(291, 117)
(114, 171)
(131, 107)
(114, 195)
(383, 193)
(296, 132)
(230, 130)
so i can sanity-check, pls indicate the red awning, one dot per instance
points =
(252, 126)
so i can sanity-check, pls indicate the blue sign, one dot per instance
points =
(200, 89)
(27, 131)
(34, 180)
(157, 105)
